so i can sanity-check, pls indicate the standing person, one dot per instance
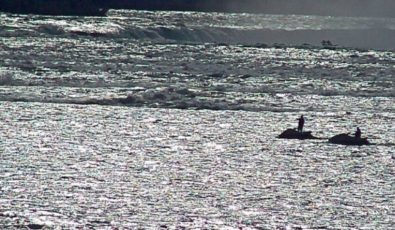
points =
(301, 124)
(358, 133)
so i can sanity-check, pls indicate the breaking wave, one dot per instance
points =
(189, 98)
(381, 39)
(107, 61)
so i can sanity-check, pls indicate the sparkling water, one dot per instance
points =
(170, 120)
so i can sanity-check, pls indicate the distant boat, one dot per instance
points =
(294, 134)
(346, 139)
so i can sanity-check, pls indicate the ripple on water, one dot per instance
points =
(103, 166)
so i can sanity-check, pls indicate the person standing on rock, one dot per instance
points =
(358, 133)
(301, 124)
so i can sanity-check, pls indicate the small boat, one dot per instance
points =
(294, 134)
(346, 139)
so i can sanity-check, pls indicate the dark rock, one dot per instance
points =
(294, 134)
(346, 139)
(35, 226)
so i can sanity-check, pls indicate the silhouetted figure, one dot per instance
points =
(301, 124)
(358, 133)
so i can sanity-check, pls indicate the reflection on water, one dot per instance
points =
(102, 166)
(211, 76)
(169, 119)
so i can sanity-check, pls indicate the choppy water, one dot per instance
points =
(169, 119)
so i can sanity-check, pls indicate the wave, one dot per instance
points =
(167, 97)
(381, 39)
(161, 80)
(188, 98)
(364, 38)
